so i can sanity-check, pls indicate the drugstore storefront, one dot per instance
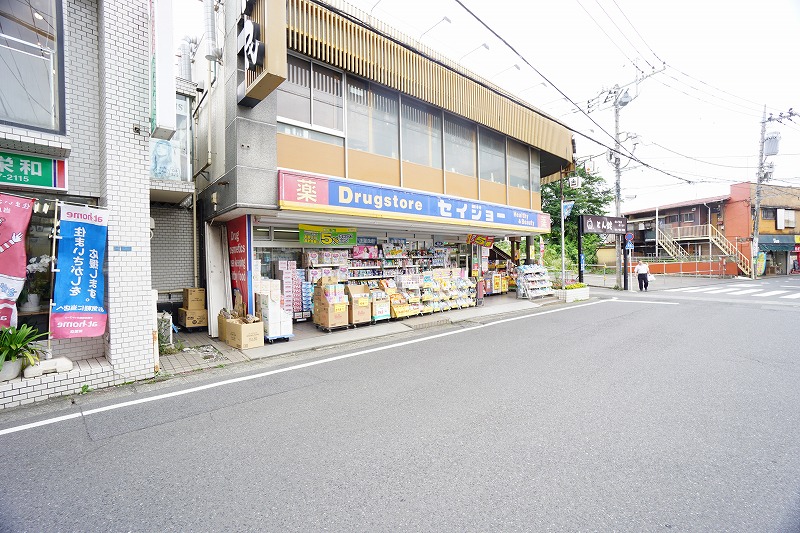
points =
(360, 233)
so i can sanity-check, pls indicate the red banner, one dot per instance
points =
(239, 253)
(15, 215)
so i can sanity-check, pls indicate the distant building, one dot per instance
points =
(720, 228)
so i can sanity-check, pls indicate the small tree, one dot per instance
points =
(592, 198)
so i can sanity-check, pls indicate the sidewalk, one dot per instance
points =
(207, 352)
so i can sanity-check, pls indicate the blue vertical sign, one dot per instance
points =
(79, 289)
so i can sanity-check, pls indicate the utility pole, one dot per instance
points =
(757, 213)
(760, 178)
(617, 186)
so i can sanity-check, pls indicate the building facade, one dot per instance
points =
(358, 126)
(77, 97)
(719, 230)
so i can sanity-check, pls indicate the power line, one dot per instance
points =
(637, 32)
(717, 89)
(704, 101)
(699, 160)
(607, 35)
(622, 33)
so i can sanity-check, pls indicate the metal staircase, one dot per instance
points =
(670, 245)
(729, 249)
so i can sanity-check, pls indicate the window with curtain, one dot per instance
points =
(536, 172)
(327, 99)
(358, 130)
(460, 145)
(31, 64)
(492, 156)
(422, 134)
(385, 120)
(294, 94)
(372, 119)
(519, 167)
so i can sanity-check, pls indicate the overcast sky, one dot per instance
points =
(698, 118)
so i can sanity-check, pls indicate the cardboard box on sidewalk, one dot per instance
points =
(360, 310)
(222, 326)
(244, 336)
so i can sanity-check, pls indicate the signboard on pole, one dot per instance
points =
(598, 224)
(79, 290)
(568, 208)
(629, 245)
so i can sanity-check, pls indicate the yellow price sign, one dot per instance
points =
(339, 308)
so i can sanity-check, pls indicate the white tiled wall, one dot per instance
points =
(106, 58)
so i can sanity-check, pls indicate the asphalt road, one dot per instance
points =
(635, 415)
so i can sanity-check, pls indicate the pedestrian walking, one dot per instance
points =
(642, 273)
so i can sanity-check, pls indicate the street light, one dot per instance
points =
(484, 45)
(444, 19)
(620, 102)
(506, 70)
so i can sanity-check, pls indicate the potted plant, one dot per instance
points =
(37, 284)
(19, 346)
(573, 292)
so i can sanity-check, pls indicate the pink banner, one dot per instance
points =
(15, 215)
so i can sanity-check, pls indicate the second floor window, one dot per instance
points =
(768, 214)
(688, 217)
(31, 64)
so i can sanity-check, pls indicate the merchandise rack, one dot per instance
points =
(533, 282)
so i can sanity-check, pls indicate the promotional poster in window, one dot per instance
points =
(15, 216)
(78, 294)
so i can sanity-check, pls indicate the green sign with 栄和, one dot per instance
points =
(25, 170)
(322, 236)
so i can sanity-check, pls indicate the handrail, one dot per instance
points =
(689, 232)
(669, 244)
(728, 248)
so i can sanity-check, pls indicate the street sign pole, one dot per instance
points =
(580, 249)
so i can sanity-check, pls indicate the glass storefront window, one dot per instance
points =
(269, 257)
(372, 119)
(459, 145)
(536, 170)
(327, 99)
(422, 134)
(492, 156)
(171, 160)
(294, 94)
(38, 247)
(31, 64)
(519, 167)
(311, 96)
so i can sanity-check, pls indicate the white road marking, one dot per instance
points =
(746, 291)
(241, 379)
(770, 293)
(702, 289)
(680, 289)
(792, 296)
(720, 291)
(643, 302)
